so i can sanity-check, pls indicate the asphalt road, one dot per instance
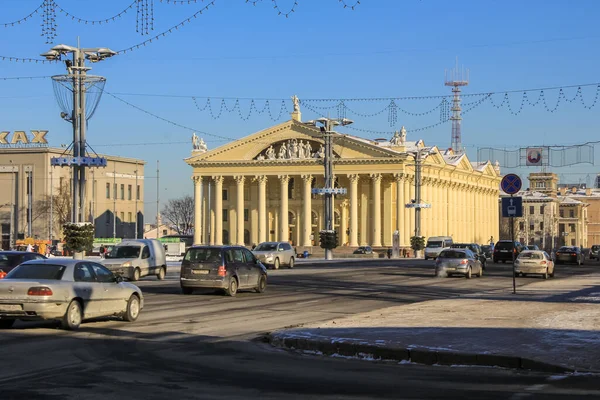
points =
(207, 345)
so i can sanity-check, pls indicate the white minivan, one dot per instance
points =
(133, 259)
(435, 245)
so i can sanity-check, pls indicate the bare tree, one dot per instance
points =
(61, 206)
(180, 212)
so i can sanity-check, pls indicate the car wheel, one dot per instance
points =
(161, 274)
(6, 323)
(233, 287)
(137, 274)
(187, 290)
(468, 276)
(291, 263)
(133, 309)
(262, 284)
(72, 318)
(276, 264)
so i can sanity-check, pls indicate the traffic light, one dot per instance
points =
(328, 239)
(323, 240)
(334, 240)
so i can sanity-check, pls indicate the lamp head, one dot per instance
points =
(63, 49)
(51, 55)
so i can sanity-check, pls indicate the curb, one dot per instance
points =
(416, 355)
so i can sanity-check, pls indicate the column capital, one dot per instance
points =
(218, 178)
(260, 178)
(353, 178)
(284, 178)
(399, 177)
(344, 203)
(239, 179)
(197, 179)
(307, 177)
(375, 177)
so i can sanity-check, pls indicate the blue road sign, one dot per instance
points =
(512, 206)
(511, 184)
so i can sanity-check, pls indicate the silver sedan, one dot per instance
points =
(68, 291)
(458, 262)
(274, 254)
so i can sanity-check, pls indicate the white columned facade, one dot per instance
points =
(407, 214)
(218, 210)
(284, 225)
(198, 203)
(353, 210)
(364, 214)
(388, 212)
(306, 210)
(343, 223)
(376, 195)
(400, 221)
(239, 180)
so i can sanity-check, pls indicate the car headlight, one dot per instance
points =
(127, 264)
(269, 256)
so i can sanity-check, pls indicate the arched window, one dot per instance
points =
(246, 237)
(291, 218)
(315, 218)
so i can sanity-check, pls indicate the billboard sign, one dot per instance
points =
(21, 139)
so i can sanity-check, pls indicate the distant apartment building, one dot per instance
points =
(114, 194)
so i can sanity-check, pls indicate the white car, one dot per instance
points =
(534, 262)
(68, 291)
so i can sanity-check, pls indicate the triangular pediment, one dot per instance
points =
(292, 140)
(464, 164)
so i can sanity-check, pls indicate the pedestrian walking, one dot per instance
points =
(29, 248)
(102, 251)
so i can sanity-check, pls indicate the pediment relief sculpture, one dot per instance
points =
(292, 150)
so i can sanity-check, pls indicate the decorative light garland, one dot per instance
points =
(97, 21)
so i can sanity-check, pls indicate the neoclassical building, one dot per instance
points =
(258, 188)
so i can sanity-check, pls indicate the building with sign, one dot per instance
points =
(30, 183)
(259, 188)
(553, 217)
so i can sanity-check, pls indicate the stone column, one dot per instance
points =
(399, 204)
(218, 234)
(343, 222)
(364, 214)
(376, 193)
(198, 202)
(284, 225)
(262, 208)
(239, 180)
(425, 193)
(306, 211)
(407, 212)
(353, 209)
(388, 212)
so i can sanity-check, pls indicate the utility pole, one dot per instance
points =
(136, 200)
(114, 199)
(50, 230)
(12, 207)
(417, 202)
(329, 191)
(29, 202)
(157, 196)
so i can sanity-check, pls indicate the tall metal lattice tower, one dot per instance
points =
(456, 78)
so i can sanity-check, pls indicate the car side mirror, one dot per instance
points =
(118, 278)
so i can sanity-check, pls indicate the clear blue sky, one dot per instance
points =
(384, 48)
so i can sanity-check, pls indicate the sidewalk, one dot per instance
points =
(551, 326)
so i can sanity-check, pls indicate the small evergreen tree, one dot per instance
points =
(417, 243)
(79, 237)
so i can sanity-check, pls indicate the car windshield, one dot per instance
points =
(504, 245)
(595, 247)
(567, 249)
(453, 254)
(37, 271)
(434, 244)
(531, 256)
(266, 247)
(9, 260)
(203, 255)
(124, 252)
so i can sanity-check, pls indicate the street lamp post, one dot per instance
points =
(78, 74)
(327, 126)
(420, 155)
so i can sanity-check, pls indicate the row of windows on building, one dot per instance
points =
(561, 227)
(122, 197)
(560, 212)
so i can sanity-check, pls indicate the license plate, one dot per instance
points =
(504, 251)
(10, 307)
(450, 269)
(199, 271)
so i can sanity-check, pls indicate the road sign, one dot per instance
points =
(511, 184)
(512, 206)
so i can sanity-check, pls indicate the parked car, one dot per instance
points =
(275, 254)
(10, 259)
(594, 250)
(531, 247)
(230, 268)
(66, 290)
(435, 244)
(133, 259)
(504, 249)
(458, 262)
(569, 254)
(363, 250)
(534, 262)
(488, 250)
(474, 247)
